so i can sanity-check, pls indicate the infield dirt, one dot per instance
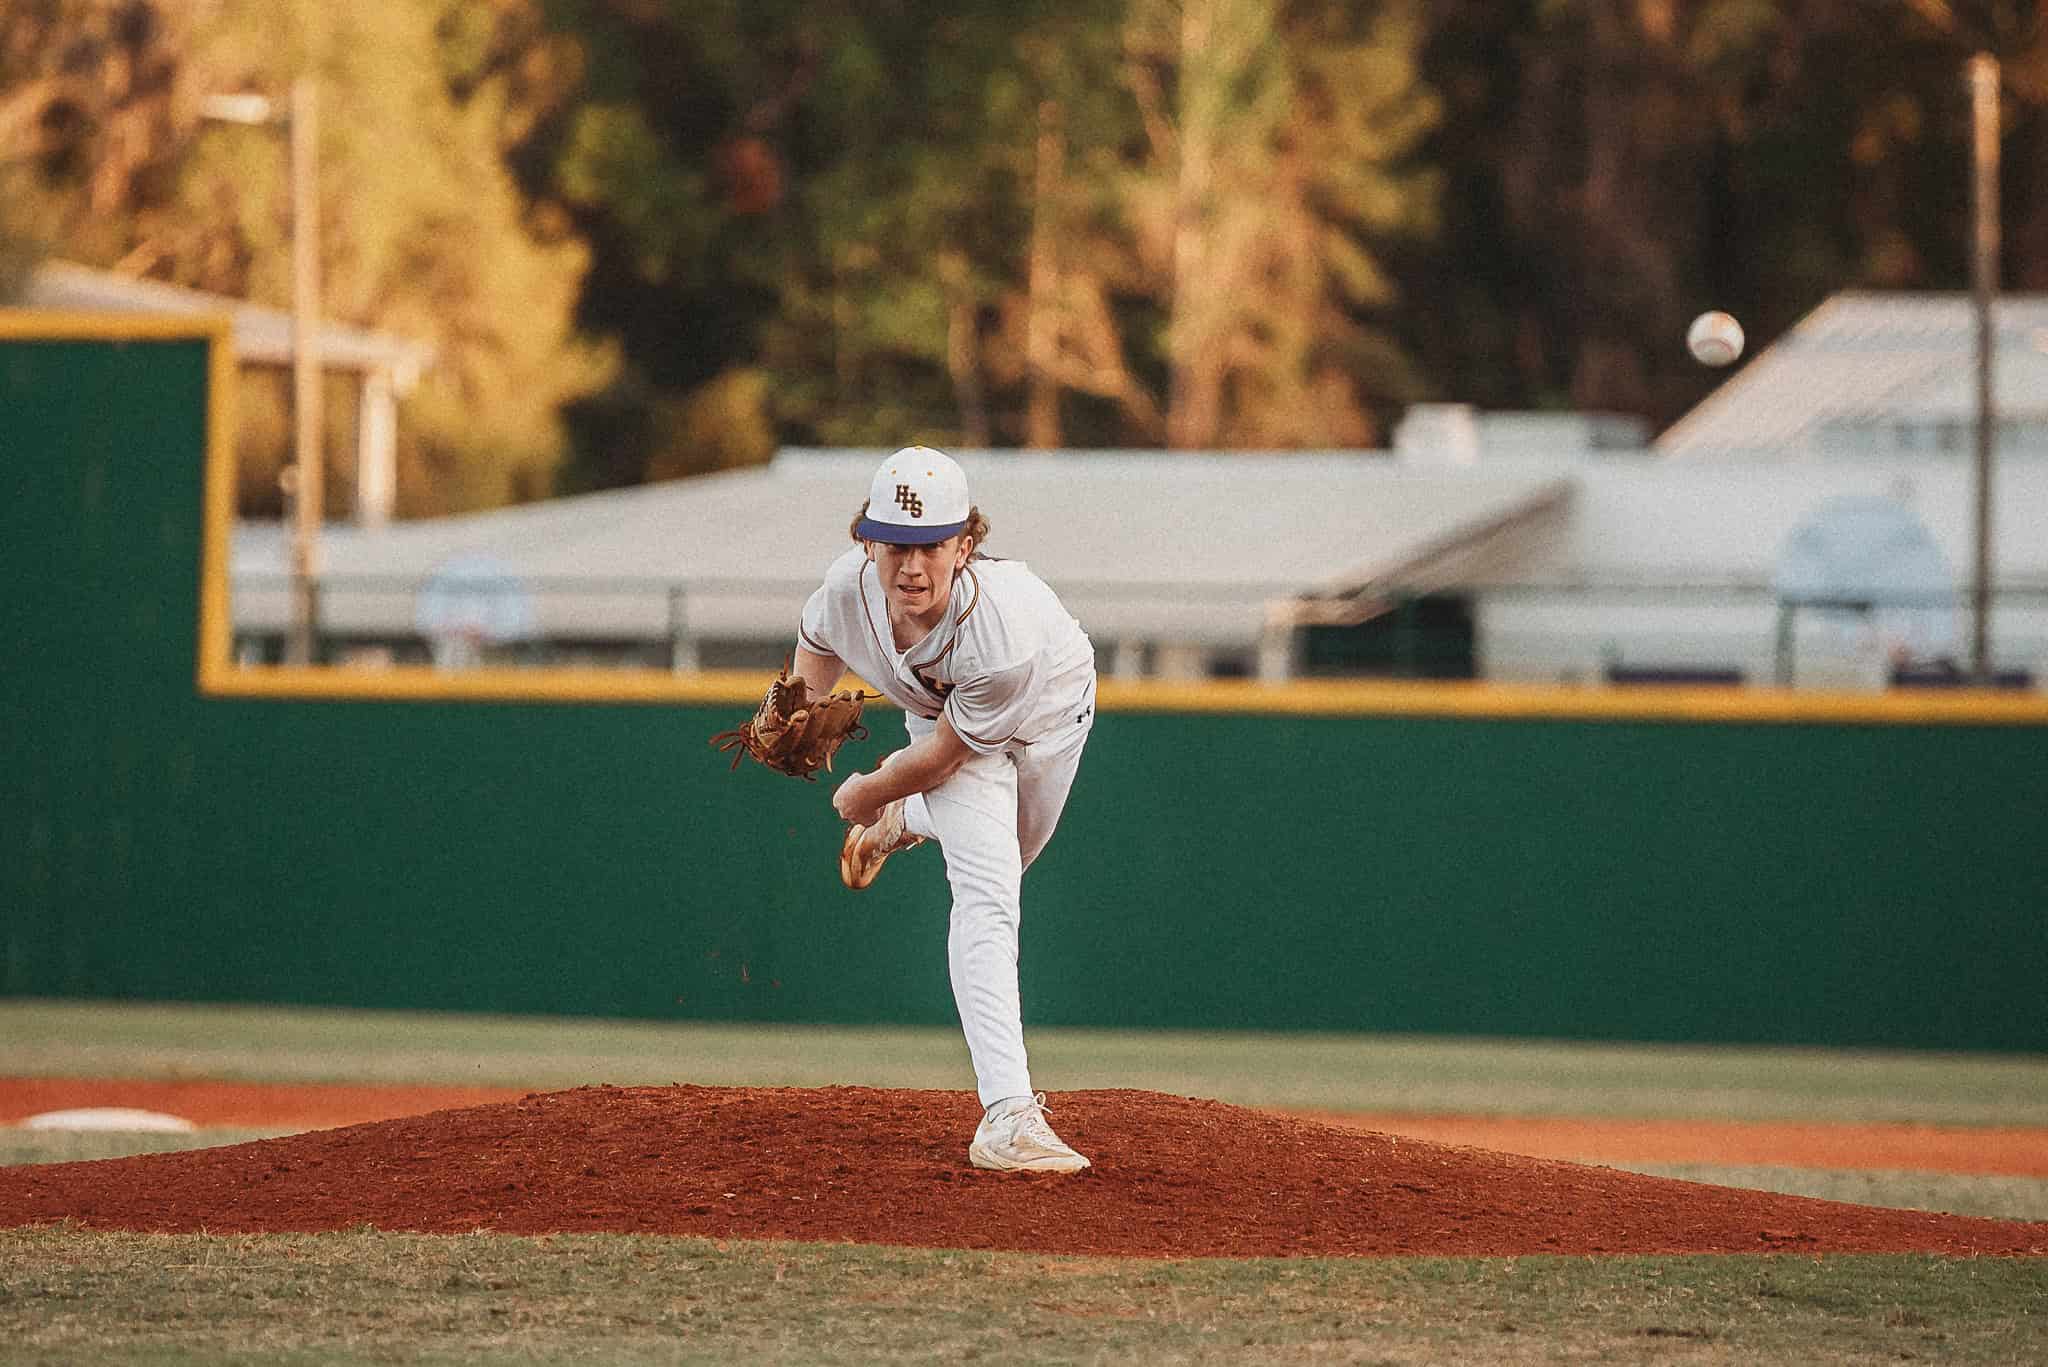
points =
(1174, 1177)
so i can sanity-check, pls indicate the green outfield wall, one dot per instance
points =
(1838, 884)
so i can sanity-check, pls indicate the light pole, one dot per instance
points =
(302, 119)
(1984, 292)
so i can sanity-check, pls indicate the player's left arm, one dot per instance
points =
(817, 669)
(917, 768)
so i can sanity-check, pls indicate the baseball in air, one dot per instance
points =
(1714, 338)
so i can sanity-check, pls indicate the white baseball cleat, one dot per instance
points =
(865, 847)
(1014, 1137)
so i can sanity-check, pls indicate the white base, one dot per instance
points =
(126, 1118)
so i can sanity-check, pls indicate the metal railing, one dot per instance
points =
(1576, 630)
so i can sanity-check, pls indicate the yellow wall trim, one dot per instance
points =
(1506, 701)
(1481, 701)
(217, 522)
(45, 325)
(417, 683)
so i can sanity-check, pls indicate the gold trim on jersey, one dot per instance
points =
(945, 692)
(972, 603)
(860, 587)
(991, 744)
(937, 694)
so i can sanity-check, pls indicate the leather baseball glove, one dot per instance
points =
(794, 733)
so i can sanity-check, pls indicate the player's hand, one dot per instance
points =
(851, 801)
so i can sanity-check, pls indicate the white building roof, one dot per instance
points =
(1709, 523)
(262, 335)
(1677, 563)
(1175, 547)
(1572, 560)
(1860, 357)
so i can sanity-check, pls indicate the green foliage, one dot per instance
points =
(884, 282)
(423, 234)
(669, 234)
(423, 231)
(613, 160)
(1286, 162)
(1613, 168)
(23, 244)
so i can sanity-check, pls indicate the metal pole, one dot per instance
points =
(1783, 654)
(1984, 289)
(306, 369)
(682, 652)
(1405, 632)
(1041, 326)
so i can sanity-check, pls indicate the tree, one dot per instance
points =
(423, 231)
(86, 109)
(1279, 145)
(959, 228)
(1615, 166)
(800, 201)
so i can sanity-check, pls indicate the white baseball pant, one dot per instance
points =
(992, 818)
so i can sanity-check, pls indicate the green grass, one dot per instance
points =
(368, 1297)
(1995, 1198)
(67, 1295)
(1353, 1072)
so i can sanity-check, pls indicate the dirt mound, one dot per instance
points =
(1173, 1178)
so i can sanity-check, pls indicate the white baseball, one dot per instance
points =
(1714, 338)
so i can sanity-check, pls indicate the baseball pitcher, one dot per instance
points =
(997, 685)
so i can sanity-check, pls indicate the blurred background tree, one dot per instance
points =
(850, 204)
(653, 238)
(424, 231)
(801, 214)
(1615, 166)
(86, 111)
(1279, 141)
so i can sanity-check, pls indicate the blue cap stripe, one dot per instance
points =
(905, 534)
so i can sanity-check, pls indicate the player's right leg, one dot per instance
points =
(973, 816)
(1014, 1137)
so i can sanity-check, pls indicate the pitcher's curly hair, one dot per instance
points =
(977, 525)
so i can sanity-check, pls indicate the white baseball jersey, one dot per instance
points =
(1009, 666)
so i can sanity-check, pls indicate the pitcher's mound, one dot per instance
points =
(1172, 1178)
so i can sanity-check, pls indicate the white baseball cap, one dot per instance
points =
(918, 497)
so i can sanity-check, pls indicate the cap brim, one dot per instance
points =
(902, 534)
